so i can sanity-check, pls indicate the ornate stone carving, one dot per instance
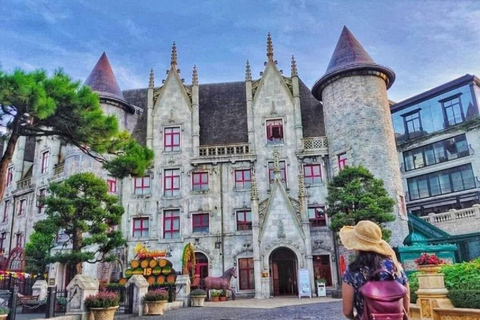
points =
(281, 230)
(247, 248)
(319, 244)
(262, 211)
(254, 188)
(296, 206)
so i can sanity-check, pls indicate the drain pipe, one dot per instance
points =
(221, 219)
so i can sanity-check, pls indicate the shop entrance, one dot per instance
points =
(284, 267)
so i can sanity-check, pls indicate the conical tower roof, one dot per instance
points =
(349, 55)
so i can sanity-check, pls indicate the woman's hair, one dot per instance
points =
(369, 259)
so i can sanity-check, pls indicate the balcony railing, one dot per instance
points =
(315, 145)
(59, 169)
(454, 215)
(221, 151)
(24, 183)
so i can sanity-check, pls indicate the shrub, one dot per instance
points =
(465, 298)
(156, 295)
(413, 283)
(223, 293)
(103, 299)
(198, 292)
(215, 293)
(4, 310)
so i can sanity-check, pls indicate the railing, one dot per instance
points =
(315, 143)
(24, 183)
(222, 151)
(58, 169)
(454, 215)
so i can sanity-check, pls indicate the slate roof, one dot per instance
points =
(223, 113)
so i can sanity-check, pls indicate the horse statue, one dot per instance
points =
(222, 282)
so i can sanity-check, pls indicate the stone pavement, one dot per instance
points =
(276, 302)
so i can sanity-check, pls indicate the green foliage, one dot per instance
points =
(82, 208)
(216, 293)
(37, 249)
(413, 283)
(465, 298)
(4, 310)
(198, 292)
(355, 195)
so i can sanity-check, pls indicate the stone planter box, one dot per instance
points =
(198, 301)
(103, 313)
(155, 307)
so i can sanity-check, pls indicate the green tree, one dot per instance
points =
(80, 208)
(37, 249)
(355, 195)
(36, 105)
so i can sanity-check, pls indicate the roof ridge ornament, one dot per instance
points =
(151, 80)
(269, 48)
(173, 60)
(195, 76)
(294, 71)
(248, 72)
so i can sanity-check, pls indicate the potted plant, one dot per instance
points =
(198, 297)
(103, 305)
(223, 295)
(60, 304)
(215, 295)
(155, 301)
(4, 313)
(429, 263)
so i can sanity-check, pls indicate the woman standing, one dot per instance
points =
(372, 254)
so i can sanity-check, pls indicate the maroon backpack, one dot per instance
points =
(383, 300)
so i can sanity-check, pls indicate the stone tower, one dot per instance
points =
(358, 120)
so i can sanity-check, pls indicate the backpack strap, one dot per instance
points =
(379, 271)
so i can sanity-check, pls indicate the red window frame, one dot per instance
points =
(3, 237)
(171, 139)
(312, 173)
(171, 182)
(141, 185)
(200, 181)
(244, 220)
(141, 229)
(246, 271)
(171, 224)
(200, 223)
(243, 179)
(42, 193)
(9, 176)
(283, 171)
(112, 185)
(19, 240)
(317, 216)
(342, 161)
(274, 129)
(45, 160)
(5, 210)
(22, 207)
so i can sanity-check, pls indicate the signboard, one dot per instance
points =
(304, 285)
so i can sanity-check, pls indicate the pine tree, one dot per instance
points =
(355, 195)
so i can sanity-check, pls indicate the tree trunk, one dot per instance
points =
(8, 155)
(77, 247)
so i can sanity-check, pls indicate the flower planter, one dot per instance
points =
(156, 307)
(430, 268)
(103, 313)
(223, 298)
(3, 316)
(198, 301)
(215, 299)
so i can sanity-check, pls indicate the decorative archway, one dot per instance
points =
(16, 260)
(283, 271)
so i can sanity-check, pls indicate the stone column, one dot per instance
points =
(431, 292)
(257, 265)
(78, 289)
(183, 289)
(140, 289)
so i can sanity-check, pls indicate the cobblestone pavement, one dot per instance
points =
(326, 311)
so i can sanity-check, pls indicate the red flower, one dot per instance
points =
(426, 258)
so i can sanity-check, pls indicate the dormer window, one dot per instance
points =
(274, 131)
(171, 139)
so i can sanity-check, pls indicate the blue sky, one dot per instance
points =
(425, 43)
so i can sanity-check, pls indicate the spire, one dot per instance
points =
(350, 55)
(103, 81)
(269, 47)
(253, 187)
(195, 76)
(248, 72)
(302, 192)
(151, 80)
(173, 60)
(294, 70)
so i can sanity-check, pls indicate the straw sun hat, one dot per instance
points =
(367, 236)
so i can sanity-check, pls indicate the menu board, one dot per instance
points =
(304, 285)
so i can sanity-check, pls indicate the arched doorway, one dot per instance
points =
(201, 265)
(284, 267)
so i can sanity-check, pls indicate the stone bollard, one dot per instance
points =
(140, 288)
(39, 289)
(431, 292)
(78, 289)
(265, 281)
(183, 289)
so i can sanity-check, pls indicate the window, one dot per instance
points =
(438, 152)
(274, 131)
(244, 220)
(140, 227)
(41, 195)
(413, 124)
(243, 179)
(112, 185)
(45, 158)
(5, 210)
(246, 275)
(142, 185)
(452, 111)
(283, 173)
(312, 173)
(19, 240)
(3, 237)
(342, 161)
(171, 139)
(171, 182)
(22, 207)
(200, 223)
(441, 182)
(9, 176)
(316, 216)
(171, 224)
(200, 181)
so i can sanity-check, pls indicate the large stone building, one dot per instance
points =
(240, 168)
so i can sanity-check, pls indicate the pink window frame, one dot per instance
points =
(5, 210)
(269, 126)
(22, 207)
(342, 161)
(9, 176)
(45, 159)
(240, 183)
(243, 224)
(145, 189)
(171, 219)
(170, 174)
(169, 134)
(200, 225)
(142, 227)
(112, 185)
(203, 181)
(3, 237)
(310, 178)
(19, 240)
(318, 221)
(247, 272)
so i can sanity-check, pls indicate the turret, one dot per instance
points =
(358, 121)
